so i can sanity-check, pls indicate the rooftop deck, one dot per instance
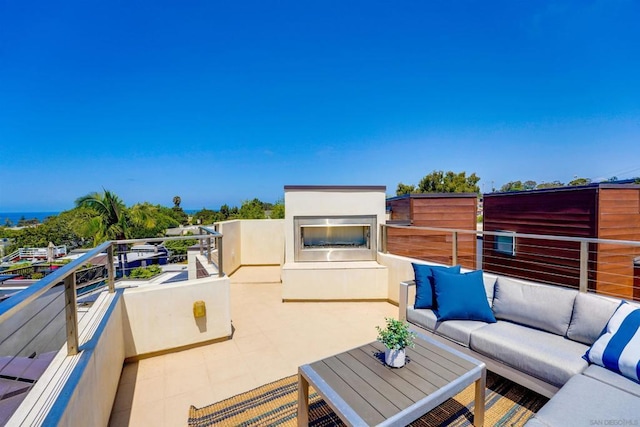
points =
(270, 340)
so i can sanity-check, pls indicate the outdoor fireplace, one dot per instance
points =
(335, 238)
(331, 235)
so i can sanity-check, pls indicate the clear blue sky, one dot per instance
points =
(220, 102)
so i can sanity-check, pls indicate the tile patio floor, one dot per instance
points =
(271, 339)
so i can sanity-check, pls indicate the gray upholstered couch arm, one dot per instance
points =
(403, 298)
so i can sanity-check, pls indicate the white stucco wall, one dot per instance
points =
(160, 318)
(361, 280)
(231, 245)
(262, 241)
(330, 202)
(94, 374)
(400, 270)
(252, 242)
(95, 393)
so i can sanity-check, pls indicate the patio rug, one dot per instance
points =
(275, 404)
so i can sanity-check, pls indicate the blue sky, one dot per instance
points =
(220, 102)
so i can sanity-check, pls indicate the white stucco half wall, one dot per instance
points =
(160, 318)
(252, 242)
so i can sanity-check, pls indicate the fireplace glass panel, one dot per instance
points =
(348, 236)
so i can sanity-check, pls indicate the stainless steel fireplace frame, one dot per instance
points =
(360, 232)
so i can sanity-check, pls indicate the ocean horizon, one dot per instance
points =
(14, 217)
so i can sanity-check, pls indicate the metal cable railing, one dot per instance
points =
(606, 266)
(36, 322)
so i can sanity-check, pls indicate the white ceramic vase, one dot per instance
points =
(394, 358)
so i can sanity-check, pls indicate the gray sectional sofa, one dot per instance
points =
(538, 341)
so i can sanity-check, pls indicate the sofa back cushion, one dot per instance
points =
(489, 280)
(544, 307)
(590, 316)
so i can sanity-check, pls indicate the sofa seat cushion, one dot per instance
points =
(613, 379)
(423, 317)
(546, 356)
(455, 330)
(590, 316)
(543, 307)
(459, 330)
(584, 401)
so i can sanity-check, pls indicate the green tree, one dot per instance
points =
(179, 248)
(553, 184)
(176, 201)
(110, 222)
(225, 211)
(512, 186)
(175, 212)
(449, 182)
(580, 181)
(405, 189)
(55, 229)
(147, 220)
(518, 186)
(234, 213)
(207, 216)
(277, 211)
(24, 222)
(251, 209)
(77, 219)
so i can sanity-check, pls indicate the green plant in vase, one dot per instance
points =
(396, 337)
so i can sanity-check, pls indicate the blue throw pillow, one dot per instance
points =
(461, 297)
(424, 288)
(618, 348)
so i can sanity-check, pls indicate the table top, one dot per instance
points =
(364, 391)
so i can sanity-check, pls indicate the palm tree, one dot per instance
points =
(176, 201)
(111, 221)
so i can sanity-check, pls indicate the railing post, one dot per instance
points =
(111, 277)
(454, 248)
(209, 250)
(584, 266)
(71, 312)
(219, 245)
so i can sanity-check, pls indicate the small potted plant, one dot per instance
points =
(396, 336)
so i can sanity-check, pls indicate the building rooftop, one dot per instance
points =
(270, 340)
(140, 355)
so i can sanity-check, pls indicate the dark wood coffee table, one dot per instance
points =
(363, 391)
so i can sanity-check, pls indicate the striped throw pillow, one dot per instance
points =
(618, 348)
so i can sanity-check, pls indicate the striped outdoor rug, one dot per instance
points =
(275, 404)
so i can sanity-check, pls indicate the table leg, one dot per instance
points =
(303, 400)
(478, 413)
